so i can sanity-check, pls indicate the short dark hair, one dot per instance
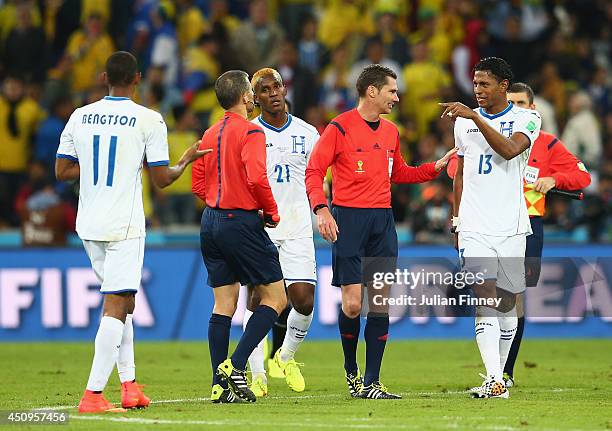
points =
(230, 86)
(521, 87)
(121, 69)
(497, 66)
(374, 74)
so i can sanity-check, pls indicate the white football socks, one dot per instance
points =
(107, 344)
(125, 363)
(256, 360)
(297, 328)
(487, 338)
(508, 322)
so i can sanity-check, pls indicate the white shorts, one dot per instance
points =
(117, 264)
(497, 257)
(297, 260)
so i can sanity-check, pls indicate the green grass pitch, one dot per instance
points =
(562, 384)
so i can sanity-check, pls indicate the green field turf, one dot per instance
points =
(562, 384)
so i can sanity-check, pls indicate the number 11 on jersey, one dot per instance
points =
(112, 155)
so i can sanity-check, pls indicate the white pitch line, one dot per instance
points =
(297, 397)
(306, 424)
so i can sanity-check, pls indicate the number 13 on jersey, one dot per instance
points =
(484, 165)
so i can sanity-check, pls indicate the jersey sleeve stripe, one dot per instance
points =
(67, 156)
(159, 163)
(553, 143)
(339, 127)
(255, 131)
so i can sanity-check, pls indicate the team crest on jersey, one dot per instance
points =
(360, 169)
(506, 130)
(299, 144)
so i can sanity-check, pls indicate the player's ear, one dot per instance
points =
(105, 78)
(137, 78)
(504, 84)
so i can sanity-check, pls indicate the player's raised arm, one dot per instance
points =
(508, 148)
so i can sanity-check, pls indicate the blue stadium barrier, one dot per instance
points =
(52, 294)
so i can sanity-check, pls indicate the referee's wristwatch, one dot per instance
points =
(318, 207)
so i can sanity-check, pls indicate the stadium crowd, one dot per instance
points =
(53, 52)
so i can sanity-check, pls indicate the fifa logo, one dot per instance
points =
(360, 167)
(297, 144)
(506, 131)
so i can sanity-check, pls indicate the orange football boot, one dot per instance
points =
(132, 396)
(96, 403)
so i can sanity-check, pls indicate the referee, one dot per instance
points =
(364, 153)
(235, 247)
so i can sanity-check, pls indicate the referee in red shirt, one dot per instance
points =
(235, 247)
(364, 153)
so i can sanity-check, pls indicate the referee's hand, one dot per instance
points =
(327, 225)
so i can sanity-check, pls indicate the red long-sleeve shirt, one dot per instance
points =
(234, 175)
(364, 163)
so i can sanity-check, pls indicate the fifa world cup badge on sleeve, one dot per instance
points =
(531, 174)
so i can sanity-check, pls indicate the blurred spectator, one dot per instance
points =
(599, 88)
(292, 15)
(395, 44)
(176, 204)
(531, 17)
(164, 46)
(431, 217)
(597, 210)
(19, 119)
(310, 50)
(375, 54)
(552, 88)
(547, 112)
(23, 52)
(191, 24)
(48, 134)
(336, 89)
(257, 39)
(45, 219)
(514, 50)
(61, 19)
(343, 20)
(582, 135)
(435, 36)
(301, 83)
(201, 70)
(86, 55)
(220, 16)
(427, 84)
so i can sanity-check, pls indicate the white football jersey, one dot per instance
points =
(288, 150)
(110, 139)
(492, 202)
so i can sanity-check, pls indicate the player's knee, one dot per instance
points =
(225, 308)
(305, 307)
(351, 307)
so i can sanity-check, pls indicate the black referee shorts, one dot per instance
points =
(235, 247)
(533, 252)
(364, 233)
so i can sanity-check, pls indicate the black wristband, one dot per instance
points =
(318, 207)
